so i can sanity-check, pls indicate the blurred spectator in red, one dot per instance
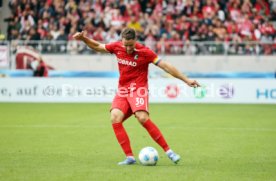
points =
(262, 6)
(210, 9)
(99, 34)
(234, 11)
(150, 41)
(175, 43)
(246, 27)
(163, 45)
(112, 35)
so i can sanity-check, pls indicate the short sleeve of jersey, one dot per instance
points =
(111, 47)
(152, 57)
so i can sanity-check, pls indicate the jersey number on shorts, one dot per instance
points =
(139, 102)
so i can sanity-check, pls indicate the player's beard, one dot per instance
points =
(130, 51)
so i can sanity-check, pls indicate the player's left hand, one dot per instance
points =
(193, 83)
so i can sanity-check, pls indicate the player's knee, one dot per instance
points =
(115, 118)
(142, 117)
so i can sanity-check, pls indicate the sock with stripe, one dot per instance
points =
(156, 134)
(122, 138)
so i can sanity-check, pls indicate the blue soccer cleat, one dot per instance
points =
(174, 157)
(128, 161)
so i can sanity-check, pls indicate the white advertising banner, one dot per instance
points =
(161, 90)
(4, 60)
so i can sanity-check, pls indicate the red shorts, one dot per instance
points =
(131, 102)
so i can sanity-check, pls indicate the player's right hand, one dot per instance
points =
(78, 35)
(193, 83)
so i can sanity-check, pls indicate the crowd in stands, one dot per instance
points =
(167, 26)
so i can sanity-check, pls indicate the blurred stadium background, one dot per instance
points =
(229, 46)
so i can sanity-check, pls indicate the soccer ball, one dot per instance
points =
(148, 156)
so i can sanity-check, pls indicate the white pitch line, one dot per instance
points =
(226, 128)
(168, 127)
(52, 126)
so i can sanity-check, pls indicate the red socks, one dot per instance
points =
(156, 134)
(152, 129)
(122, 138)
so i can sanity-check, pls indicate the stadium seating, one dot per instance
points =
(171, 26)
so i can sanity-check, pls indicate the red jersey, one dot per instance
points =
(133, 68)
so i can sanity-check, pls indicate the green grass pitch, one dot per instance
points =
(76, 142)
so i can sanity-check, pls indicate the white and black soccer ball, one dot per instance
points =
(148, 156)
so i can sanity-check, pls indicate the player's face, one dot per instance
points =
(129, 45)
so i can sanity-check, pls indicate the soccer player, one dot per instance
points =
(132, 96)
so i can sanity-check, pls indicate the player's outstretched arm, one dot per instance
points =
(177, 74)
(97, 46)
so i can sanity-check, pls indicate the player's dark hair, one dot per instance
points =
(129, 34)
